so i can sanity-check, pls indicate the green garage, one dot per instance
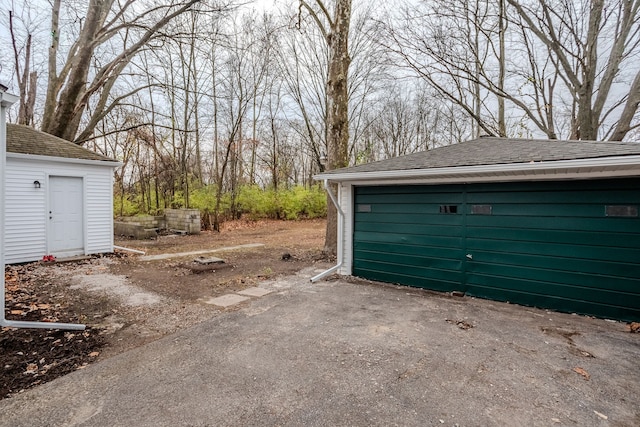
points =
(549, 224)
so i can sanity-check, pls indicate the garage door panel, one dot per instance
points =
(521, 194)
(616, 225)
(409, 219)
(411, 198)
(549, 244)
(624, 255)
(375, 239)
(561, 278)
(598, 267)
(525, 292)
(411, 229)
(418, 250)
(544, 209)
(418, 207)
(572, 238)
(441, 280)
(542, 294)
(409, 261)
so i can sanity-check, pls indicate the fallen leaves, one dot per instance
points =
(634, 327)
(34, 356)
(582, 372)
(32, 368)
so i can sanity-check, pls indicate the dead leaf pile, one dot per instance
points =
(34, 356)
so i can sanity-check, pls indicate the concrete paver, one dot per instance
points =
(254, 292)
(340, 353)
(227, 300)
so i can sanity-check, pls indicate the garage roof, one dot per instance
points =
(26, 140)
(502, 158)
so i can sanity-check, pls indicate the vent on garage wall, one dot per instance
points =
(621, 210)
(481, 209)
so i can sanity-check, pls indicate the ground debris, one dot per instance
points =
(582, 372)
(601, 415)
(462, 324)
(634, 327)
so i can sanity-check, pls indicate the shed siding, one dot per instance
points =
(26, 207)
(99, 207)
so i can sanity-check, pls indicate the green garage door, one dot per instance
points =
(572, 246)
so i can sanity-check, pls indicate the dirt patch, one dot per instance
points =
(126, 302)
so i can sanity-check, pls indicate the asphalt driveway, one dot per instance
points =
(342, 353)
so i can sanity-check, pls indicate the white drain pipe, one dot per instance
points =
(339, 239)
(6, 101)
(135, 251)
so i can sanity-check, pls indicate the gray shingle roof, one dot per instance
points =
(495, 151)
(26, 140)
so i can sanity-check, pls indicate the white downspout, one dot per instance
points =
(340, 235)
(6, 100)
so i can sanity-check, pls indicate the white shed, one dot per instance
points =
(59, 197)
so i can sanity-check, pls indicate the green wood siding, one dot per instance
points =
(546, 244)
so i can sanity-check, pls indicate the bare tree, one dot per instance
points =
(525, 57)
(27, 78)
(71, 87)
(574, 34)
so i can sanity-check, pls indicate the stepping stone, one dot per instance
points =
(227, 300)
(211, 260)
(255, 292)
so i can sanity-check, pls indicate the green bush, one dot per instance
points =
(203, 198)
(125, 206)
(254, 202)
(295, 203)
(299, 202)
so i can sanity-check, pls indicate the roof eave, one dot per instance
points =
(558, 169)
(109, 163)
(7, 99)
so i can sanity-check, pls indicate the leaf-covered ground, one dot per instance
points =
(33, 356)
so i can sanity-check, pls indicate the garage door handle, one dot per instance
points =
(469, 256)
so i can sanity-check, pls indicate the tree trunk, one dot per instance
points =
(337, 108)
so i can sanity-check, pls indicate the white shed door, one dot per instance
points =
(66, 225)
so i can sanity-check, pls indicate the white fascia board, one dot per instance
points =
(106, 163)
(7, 99)
(559, 169)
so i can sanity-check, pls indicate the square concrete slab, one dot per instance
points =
(227, 300)
(255, 292)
